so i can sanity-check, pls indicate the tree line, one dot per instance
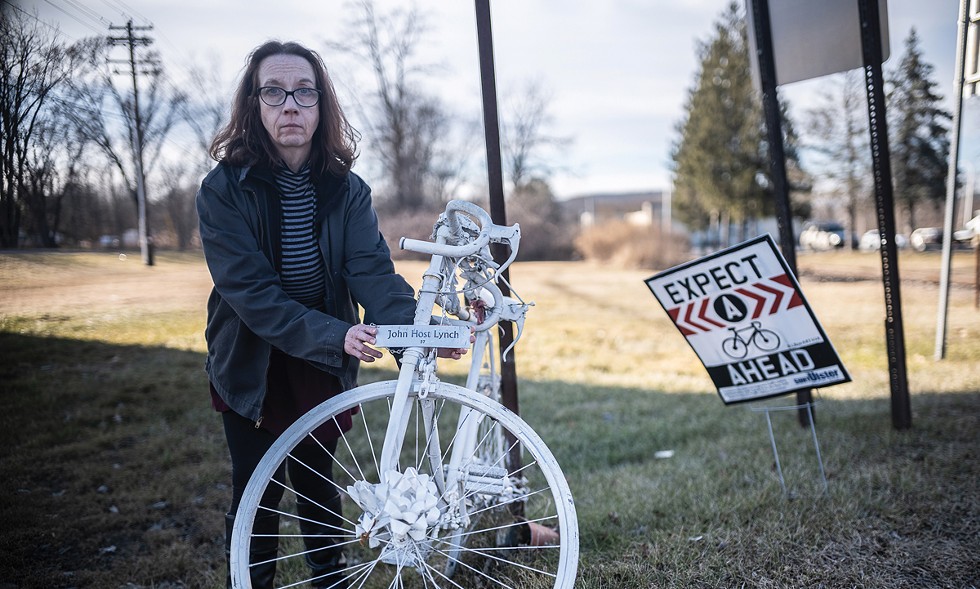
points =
(722, 180)
(68, 148)
(68, 125)
(68, 130)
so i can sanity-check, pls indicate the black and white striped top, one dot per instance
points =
(302, 265)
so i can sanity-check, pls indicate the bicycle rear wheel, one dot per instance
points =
(484, 526)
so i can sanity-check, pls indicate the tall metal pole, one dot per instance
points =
(885, 204)
(777, 160)
(146, 246)
(491, 125)
(942, 319)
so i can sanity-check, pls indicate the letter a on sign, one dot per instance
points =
(729, 309)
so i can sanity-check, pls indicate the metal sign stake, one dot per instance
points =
(805, 407)
(885, 204)
(508, 366)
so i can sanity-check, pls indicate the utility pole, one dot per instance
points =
(966, 51)
(146, 243)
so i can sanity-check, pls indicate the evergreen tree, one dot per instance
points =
(720, 160)
(919, 133)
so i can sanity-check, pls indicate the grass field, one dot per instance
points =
(114, 472)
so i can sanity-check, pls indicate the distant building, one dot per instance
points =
(636, 208)
(652, 209)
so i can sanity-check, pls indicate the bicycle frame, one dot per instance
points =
(436, 280)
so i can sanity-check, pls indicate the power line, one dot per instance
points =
(75, 18)
(35, 17)
(85, 12)
(95, 16)
(165, 79)
(125, 10)
(175, 47)
(122, 13)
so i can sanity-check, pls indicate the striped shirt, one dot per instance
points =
(302, 265)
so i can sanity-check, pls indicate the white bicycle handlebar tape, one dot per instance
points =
(488, 232)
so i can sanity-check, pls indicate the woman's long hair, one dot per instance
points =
(244, 140)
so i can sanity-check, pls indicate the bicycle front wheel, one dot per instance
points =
(478, 523)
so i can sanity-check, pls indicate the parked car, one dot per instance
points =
(970, 229)
(108, 241)
(925, 238)
(822, 236)
(870, 241)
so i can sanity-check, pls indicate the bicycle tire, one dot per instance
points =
(501, 550)
(766, 340)
(735, 348)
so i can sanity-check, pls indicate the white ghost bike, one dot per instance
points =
(440, 485)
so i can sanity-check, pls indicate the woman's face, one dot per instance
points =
(290, 126)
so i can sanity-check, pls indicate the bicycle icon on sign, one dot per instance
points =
(737, 346)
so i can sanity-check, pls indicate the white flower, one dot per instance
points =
(406, 505)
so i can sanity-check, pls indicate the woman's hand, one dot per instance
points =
(358, 342)
(452, 353)
(456, 353)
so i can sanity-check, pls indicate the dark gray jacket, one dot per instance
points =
(248, 311)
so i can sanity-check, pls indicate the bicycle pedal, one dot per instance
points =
(489, 480)
(487, 384)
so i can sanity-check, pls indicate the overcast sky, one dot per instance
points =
(617, 71)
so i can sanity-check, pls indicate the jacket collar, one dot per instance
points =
(329, 188)
(260, 173)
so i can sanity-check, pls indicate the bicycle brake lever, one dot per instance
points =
(511, 236)
(516, 313)
(505, 233)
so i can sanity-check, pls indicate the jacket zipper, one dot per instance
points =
(258, 216)
(320, 222)
(328, 301)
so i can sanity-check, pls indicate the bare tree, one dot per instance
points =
(406, 126)
(32, 65)
(105, 116)
(53, 161)
(86, 212)
(526, 142)
(204, 112)
(40, 205)
(548, 231)
(207, 109)
(177, 201)
(838, 130)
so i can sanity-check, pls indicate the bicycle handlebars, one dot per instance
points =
(466, 230)
(455, 230)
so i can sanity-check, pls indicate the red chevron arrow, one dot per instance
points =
(703, 310)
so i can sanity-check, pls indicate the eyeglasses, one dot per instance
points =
(276, 96)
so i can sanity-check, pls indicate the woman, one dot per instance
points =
(293, 246)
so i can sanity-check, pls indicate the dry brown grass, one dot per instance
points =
(115, 471)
